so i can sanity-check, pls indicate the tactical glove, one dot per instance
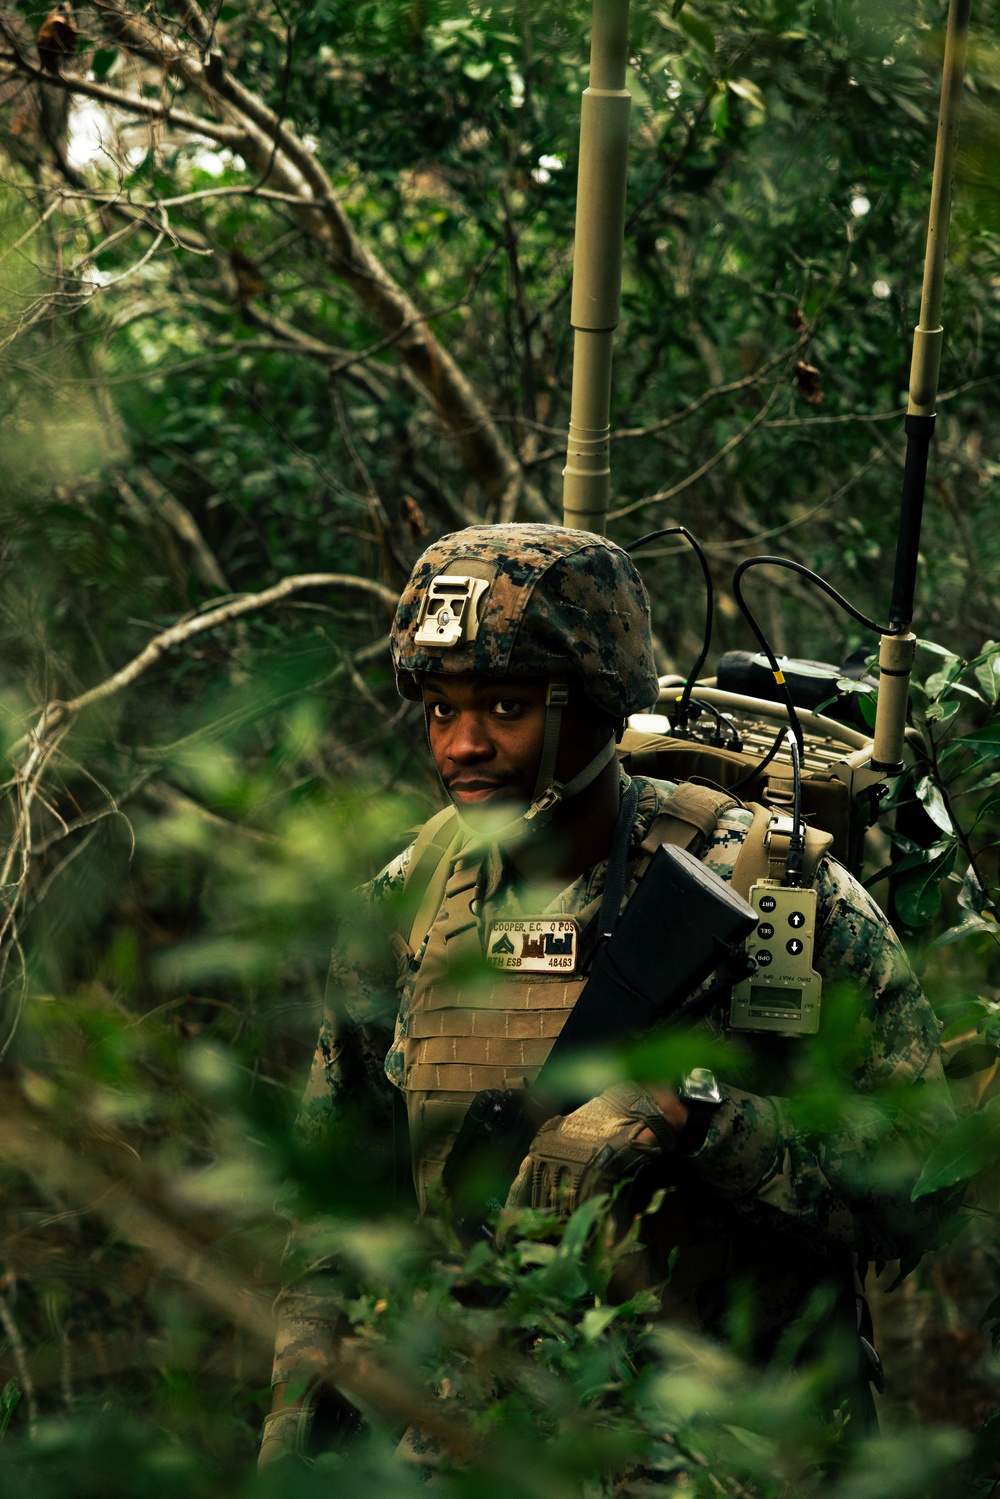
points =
(576, 1156)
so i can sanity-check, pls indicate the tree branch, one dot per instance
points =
(133, 104)
(29, 1145)
(745, 383)
(269, 144)
(56, 713)
(706, 467)
(180, 520)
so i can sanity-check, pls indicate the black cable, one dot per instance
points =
(617, 871)
(772, 659)
(765, 645)
(684, 702)
(807, 572)
(699, 702)
(796, 844)
(761, 765)
(720, 722)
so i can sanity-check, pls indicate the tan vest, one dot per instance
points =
(467, 1029)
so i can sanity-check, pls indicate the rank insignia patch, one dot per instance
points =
(542, 944)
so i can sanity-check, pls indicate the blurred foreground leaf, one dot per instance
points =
(971, 1146)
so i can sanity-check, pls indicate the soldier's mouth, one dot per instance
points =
(476, 790)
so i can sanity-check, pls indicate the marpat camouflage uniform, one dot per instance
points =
(791, 1195)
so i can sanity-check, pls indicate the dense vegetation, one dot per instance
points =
(285, 294)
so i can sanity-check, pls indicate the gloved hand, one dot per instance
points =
(576, 1156)
(285, 1433)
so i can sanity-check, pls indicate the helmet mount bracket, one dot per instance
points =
(450, 616)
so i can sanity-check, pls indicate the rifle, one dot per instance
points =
(682, 923)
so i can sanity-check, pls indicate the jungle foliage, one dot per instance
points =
(284, 295)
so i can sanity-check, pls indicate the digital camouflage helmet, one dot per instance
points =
(535, 601)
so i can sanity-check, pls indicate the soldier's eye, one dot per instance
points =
(441, 711)
(506, 707)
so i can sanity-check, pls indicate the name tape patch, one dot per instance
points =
(540, 944)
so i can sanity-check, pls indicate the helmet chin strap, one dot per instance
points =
(548, 793)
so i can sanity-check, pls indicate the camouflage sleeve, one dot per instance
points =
(838, 1157)
(347, 1093)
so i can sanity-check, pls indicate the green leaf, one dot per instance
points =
(968, 1060)
(868, 703)
(986, 737)
(984, 785)
(930, 795)
(918, 897)
(103, 62)
(972, 896)
(917, 858)
(918, 900)
(477, 71)
(698, 30)
(987, 808)
(969, 926)
(969, 1147)
(939, 680)
(939, 712)
(9, 1397)
(935, 649)
(580, 1226)
(987, 672)
(718, 113)
(980, 755)
(913, 110)
(745, 88)
(596, 1319)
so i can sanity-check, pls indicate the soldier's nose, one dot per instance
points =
(469, 740)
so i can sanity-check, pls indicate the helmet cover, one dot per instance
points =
(544, 599)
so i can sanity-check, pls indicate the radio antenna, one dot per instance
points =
(597, 267)
(898, 645)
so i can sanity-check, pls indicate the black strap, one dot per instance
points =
(614, 880)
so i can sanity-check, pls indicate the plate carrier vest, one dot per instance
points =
(462, 1037)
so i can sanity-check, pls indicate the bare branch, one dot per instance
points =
(180, 520)
(394, 338)
(706, 467)
(234, 190)
(57, 713)
(16, 1342)
(800, 520)
(132, 104)
(836, 421)
(745, 383)
(29, 233)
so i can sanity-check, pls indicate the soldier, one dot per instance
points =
(528, 647)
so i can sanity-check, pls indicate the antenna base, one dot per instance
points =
(886, 768)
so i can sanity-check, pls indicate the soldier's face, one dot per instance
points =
(486, 736)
